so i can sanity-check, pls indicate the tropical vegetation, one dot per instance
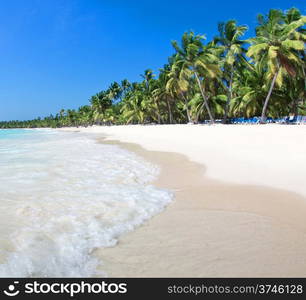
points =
(227, 77)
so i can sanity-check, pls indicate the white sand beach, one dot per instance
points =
(208, 179)
(239, 207)
(269, 155)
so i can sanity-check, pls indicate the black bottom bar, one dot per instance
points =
(155, 288)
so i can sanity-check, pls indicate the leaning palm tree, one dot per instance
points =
(160, 93)
(177, 84)
(277, 44)
(232, 53)
(197, 61)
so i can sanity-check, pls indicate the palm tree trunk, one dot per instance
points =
(159, 118)
(169, 111)
(204, 98)
(187, 110)
(264, 109)
(198, 113)
(295, 106)
(229, 96)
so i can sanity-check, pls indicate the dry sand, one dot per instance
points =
(214, 227)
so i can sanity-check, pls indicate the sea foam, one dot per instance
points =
(62, 195)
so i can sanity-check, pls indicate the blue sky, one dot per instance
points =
(57, 53)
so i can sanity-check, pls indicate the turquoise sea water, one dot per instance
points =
(13, 134)
(64, 194)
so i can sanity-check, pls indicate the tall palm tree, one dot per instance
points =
(232, 52)
(162, 94)
(277, 44)
(249, 90)
(197, 60)
(177, 84)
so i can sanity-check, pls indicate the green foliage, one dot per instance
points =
(207, 80)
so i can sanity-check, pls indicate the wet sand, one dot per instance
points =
(212, 229)
(239, 208)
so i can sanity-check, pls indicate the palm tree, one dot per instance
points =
(154, 103)
(218, 79)
(133, 108)
(277, 44)
(177, 84)
(197, 60)
(249, 90)
(71, 115)
(125, 87)
(147, 76)
(85, 115)
(231, 45)
(162, 94)
(114, 92)
(100, 102)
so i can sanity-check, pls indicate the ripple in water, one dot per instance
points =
(62, 195)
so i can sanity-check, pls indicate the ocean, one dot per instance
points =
(64, 194)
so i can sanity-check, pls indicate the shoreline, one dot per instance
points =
(264, 155)
(212, 228)
(206, 236)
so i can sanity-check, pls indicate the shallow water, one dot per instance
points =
(62, 195)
